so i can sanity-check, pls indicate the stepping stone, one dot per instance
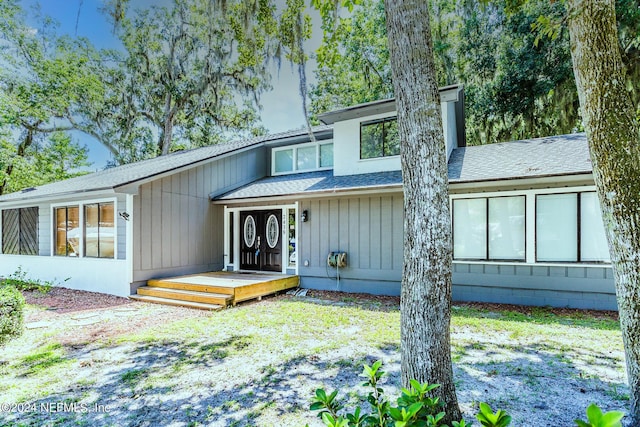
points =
(82, 316)
(36, 325)
(87, 322)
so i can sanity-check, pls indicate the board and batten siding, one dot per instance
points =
(370, 230)
(176, 228)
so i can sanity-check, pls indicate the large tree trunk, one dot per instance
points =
(614, 142)
(426, 279)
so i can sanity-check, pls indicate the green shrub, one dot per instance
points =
(11, 308)
(414, 408)
(20, 281)
(598, 419)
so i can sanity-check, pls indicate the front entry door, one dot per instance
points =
(261, 240)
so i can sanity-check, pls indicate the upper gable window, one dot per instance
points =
(301, 158)
(379, 138)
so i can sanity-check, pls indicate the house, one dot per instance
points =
(526, 221)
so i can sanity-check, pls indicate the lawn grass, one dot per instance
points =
(259, 363)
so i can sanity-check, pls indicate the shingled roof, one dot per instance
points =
(110, 179)
(531, 158)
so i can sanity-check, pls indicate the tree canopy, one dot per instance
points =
(518, 84)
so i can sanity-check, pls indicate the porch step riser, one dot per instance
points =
(190, 287)
(177, 303)
(200, 297)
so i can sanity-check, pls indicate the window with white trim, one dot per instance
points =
(86, 230)
(569, 228)
(301, 158)
(489, 228)
(379, 138)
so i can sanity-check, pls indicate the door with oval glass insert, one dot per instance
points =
(261, 240)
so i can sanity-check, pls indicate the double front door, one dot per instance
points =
(261, 240)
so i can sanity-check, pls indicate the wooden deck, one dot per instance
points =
(214, 290)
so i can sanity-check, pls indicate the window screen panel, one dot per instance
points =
(507, 228)
(283, 161)
(326, 155)
(470, 228)
(557, 227)
(593, 240)
(306, 158)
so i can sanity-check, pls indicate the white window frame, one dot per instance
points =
(530, 225)
(295, 148)
(80, 205)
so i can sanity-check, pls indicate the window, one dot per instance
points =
(283, 161)
(569, 228)
(302, 158)
(489, 228)
(99, 230)
(20, 231)
(91, 234)
(379, 138)
(67, 234)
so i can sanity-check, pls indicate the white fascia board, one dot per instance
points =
(59, 198)
(553, 181)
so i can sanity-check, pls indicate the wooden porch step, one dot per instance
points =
(175, 284)
(179, 303)
(186, 295)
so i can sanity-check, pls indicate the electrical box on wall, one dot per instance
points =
(337, 259)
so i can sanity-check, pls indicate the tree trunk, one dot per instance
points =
(614, 141)
(426, 280)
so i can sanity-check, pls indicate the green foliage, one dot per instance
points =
(20, 281)
(490, 419)
(597, 419)
(11, 313)
(415, 406)
(512, 57)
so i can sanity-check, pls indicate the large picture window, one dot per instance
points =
(489, 228)
(20, 231)
(379, 139)
(302, 158)
(91, 235)
(569, 228)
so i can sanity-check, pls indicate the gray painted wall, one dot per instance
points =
(370, 230)
(177, 230)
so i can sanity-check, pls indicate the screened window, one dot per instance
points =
(326, 155)
(569, 228)
(379, 139)
(305, 157)
(507, 228)
(470, 229)
(99, 230)
(283, 161)
(593, 241)
(20, 231)
(67, 231)
(489, 228)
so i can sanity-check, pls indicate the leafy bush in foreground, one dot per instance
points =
(11, 318)
(415, 408)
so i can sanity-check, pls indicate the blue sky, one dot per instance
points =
(282, 106)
